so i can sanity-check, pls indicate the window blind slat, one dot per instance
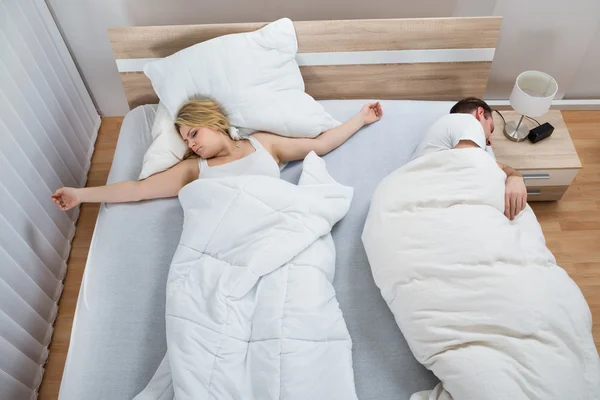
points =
(28, 289)
(19, 311)
(22, 340)
(20, 251)
(19, 366)
(34, 204)
(27, 111)
(43, 227)
(48, 161)
(10, 388)
(22, 224)
(58, 80)
(34, 180)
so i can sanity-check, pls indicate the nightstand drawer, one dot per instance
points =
(549, 177)
(545, 193)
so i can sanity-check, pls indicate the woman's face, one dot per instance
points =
(205, 142)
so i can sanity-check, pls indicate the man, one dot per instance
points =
(456, 132)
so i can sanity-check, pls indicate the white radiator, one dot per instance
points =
(48, 126)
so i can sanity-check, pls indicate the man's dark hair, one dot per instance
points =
(470, 104)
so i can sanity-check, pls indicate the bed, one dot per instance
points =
(118, 336)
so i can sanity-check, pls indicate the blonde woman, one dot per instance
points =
(203, 127)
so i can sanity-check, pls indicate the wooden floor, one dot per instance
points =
(571, 226)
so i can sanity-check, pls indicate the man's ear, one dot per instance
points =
(477, 114)
(480, 113)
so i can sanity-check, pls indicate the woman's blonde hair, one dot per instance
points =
(203, 113)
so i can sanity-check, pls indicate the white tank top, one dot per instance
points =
(261, 162)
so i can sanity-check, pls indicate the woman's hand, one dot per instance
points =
(371, 113)
(66, 198)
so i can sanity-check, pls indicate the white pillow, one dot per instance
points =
(253, 76)
(167, 148)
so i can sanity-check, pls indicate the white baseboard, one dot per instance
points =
(582, 104)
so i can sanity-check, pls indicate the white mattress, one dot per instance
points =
(118, 336)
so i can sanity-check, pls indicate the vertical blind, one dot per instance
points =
(48, 125)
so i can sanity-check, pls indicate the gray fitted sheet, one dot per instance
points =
(118, 336)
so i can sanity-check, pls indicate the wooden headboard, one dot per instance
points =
(418, 59)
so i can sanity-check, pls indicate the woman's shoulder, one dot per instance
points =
(190, 167)
(263, 136)
(270, 142)
(266, 139)
(180, 174)
(189, 162)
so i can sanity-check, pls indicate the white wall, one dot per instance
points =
(585, 83)
(551, 35)
(83, 26)
(548, 35)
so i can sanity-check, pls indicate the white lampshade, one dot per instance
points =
(533, 93)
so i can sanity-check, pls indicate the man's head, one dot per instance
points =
(480, 110)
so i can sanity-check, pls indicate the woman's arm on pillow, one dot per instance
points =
(161, 185)
(285, 149)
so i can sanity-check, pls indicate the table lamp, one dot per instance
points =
(531, 96)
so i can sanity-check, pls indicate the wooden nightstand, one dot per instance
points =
(548, 166)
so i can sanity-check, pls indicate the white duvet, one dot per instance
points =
(251, 312)
(479, 298)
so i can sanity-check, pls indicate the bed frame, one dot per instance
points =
(417, 59)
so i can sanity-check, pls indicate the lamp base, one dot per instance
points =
(516, 132)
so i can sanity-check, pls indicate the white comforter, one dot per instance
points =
(479, 298)
(251, 312)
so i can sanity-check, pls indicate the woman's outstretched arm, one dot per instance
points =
(285, 149)
(164, 184)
